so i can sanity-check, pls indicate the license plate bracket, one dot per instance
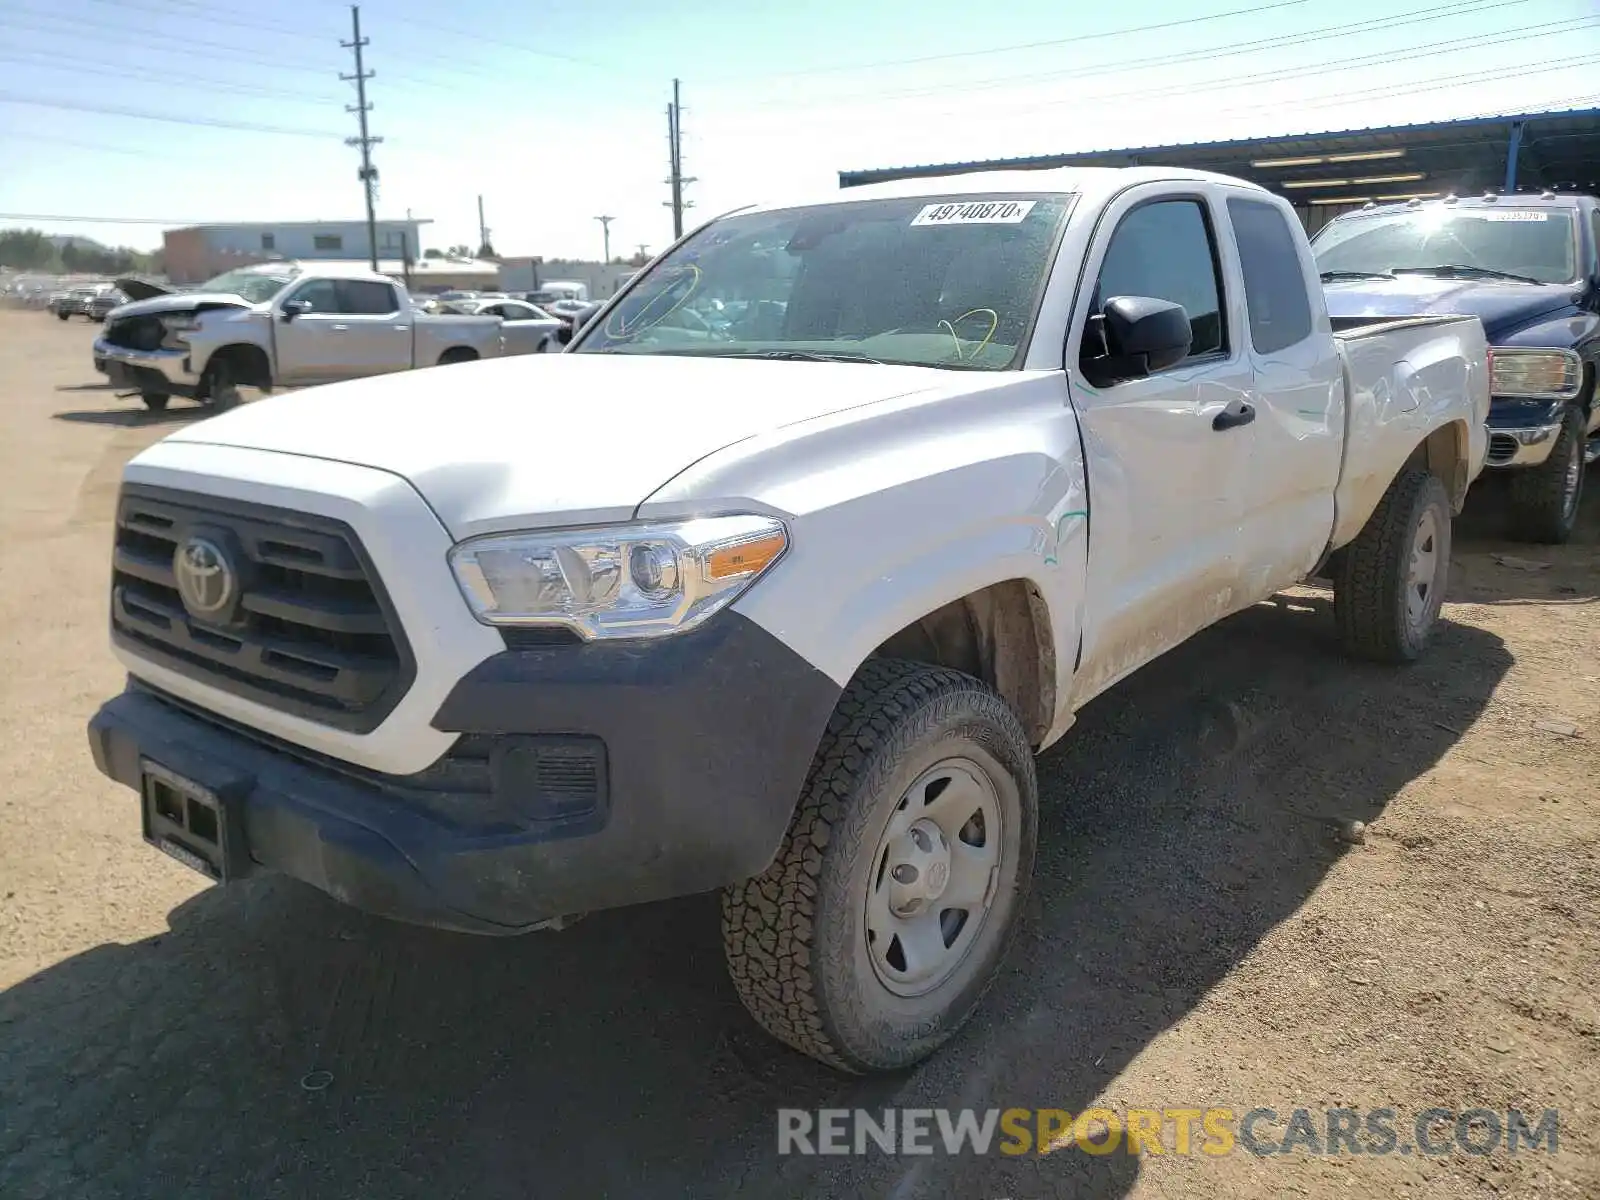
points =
(191, 823)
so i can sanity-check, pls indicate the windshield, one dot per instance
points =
(253, 286)
(1538, 243)
(940, 282)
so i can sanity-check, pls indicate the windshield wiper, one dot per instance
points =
(796, 355)
(1330, 276)
(1448, 269)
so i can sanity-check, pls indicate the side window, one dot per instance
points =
(1594, 252)
(364, 297)
(318, 294)
(1165, 250)
(327, 241)
(1274, 282)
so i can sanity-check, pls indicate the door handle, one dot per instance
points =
(340, 328)
(1236, 414)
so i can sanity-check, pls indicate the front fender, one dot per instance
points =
(230, 327)
(897, 511)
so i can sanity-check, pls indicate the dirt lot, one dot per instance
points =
(1199, 935)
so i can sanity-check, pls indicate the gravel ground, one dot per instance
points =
(1200, 933)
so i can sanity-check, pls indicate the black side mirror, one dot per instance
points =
(565, 333)
(1143, 335)
(293, 308)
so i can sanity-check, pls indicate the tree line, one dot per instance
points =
(33, 250)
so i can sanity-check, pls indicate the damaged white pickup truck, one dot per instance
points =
(868, 498)
(279, 324)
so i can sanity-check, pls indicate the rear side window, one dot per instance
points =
(1274, 280)
(1164, 250)
(366, 298)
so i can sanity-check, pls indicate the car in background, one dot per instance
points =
(526, 328)
(102, 302)
(72, 302)
(1528, 266)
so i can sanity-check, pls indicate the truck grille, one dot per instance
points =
(135, 333)
(307, 628)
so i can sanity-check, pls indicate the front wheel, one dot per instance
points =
(63, 316)
(885, 916)
(1544, 499)
(223, 392)
(1389, 583)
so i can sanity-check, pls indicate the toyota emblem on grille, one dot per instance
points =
(206, 579)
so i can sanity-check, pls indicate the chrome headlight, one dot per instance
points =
(617, 581)
(1535, 374)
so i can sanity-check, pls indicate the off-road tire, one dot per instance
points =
(457, 354)
(154, 401)
(1539, 508)
(63, 316)
(1370, 574)
(793, 936)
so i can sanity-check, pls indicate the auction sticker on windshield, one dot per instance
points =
(975, 212)
(1520, 214)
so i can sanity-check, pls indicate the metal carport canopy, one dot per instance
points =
(1522, 151)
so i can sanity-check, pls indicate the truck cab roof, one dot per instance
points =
(1096, 183)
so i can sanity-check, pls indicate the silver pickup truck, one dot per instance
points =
(279, 325)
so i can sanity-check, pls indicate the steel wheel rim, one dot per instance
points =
(1573, 481)
(933, 877)
(1423, 572)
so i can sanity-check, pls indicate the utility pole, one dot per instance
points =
(605, 224)
(675, 159)
(483, 231)
(368, 173)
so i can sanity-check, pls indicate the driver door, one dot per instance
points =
(307, 346)
(1166, 478)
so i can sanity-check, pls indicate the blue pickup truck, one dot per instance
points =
(1529, 267)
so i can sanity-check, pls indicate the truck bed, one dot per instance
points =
(1403, 374)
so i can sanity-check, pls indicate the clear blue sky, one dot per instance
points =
(556, 112)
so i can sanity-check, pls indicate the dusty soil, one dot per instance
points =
(1199, 933)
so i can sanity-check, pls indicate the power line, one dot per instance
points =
(5, 216)
(1229, 50)
(1078, 101)
(1074, 40)
(221, 51)
(1387, 58)
(477, 36)
(170, 118)
(160, 45)
(117, 70)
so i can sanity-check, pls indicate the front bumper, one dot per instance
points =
(1527, 446)
(165, 371)
(700, 744)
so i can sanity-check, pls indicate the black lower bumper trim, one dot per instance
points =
(707, 738)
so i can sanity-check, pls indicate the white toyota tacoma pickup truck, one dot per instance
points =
(870, 497)
(279, 325)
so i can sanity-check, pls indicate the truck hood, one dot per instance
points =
(181, 302)
(1502, 307)
(135, 288)
(538, 441)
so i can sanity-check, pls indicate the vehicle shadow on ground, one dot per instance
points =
(86, 387)
(276, 1044)
(1491, 567)
(132, 417)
